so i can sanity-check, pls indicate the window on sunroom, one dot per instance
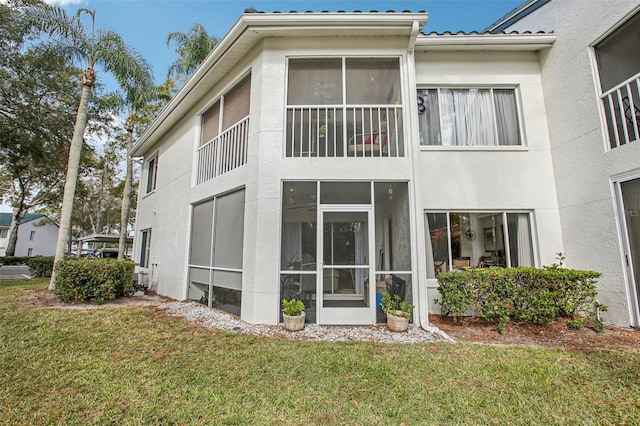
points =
(338, 107)
(619, 73)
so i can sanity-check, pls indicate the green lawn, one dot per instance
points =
(136, 366)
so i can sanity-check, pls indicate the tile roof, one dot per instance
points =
(253, 10)
(433, 33)
(462, 33)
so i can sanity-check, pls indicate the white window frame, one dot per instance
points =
(532, 231)
(519, 113)
(343, 105)
(606, 137)
(145, 248)
(151, 174)
(4, 233)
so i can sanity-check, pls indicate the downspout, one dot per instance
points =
(421, 278)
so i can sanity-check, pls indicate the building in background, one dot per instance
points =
(37, 235)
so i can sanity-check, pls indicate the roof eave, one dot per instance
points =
(484, 42)
(262, 25)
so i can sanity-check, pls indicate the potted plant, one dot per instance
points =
(398, 311)
(293, 314)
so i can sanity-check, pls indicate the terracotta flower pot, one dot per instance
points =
(397, 323)
(294, 323)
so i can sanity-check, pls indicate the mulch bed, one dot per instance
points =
(557, 334)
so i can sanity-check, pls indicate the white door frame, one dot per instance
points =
(629, 273)
(344, 315)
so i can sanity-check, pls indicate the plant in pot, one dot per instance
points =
(293, 314)
(398, 311)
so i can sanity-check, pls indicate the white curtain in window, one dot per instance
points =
(467, 117)
(525, 257)
(507, 117)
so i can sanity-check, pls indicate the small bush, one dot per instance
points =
(93, 279)
(14, 260)
(40, 266)
(293, 307)
(523, 293)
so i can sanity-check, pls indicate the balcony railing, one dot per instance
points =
(344, 131)
(225, 152)
(622, 112)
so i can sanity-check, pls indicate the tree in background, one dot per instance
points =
(38, 98)
(136, 98)
(192, 48)
(104, 48)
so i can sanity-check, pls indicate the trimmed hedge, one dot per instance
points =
(523, 293)
(40, 266)
(93, 279)
(14, 260)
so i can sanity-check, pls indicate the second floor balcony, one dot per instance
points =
(337, 131)
(344, 107)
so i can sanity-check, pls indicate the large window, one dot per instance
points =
(229, 110)
(215, 256)
(467, 240)
(344, 107)
(225, 131)
(619, 73)
(468, 117)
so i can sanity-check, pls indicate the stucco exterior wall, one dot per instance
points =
(268, 167)
(44, 239)
(166, 212)
(499, 179)
(583, 165)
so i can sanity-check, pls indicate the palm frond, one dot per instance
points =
(55, 22)
(127, 65)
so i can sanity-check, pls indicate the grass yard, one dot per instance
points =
(124, 365)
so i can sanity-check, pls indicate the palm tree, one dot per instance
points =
(192, 48)
(104, 48)
(136, 97)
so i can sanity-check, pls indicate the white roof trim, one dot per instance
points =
(251, 27)
(516, 42)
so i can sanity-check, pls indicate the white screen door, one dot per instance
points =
(345, 250)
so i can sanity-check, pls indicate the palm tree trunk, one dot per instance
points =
(127, 193)
(88, 81)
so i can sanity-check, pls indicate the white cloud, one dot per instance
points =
(63, 2)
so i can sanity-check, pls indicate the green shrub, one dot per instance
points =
(40, 266)
(14, 260)
(93, 279)
(525, 294)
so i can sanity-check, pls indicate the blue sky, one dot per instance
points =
(144, 24)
